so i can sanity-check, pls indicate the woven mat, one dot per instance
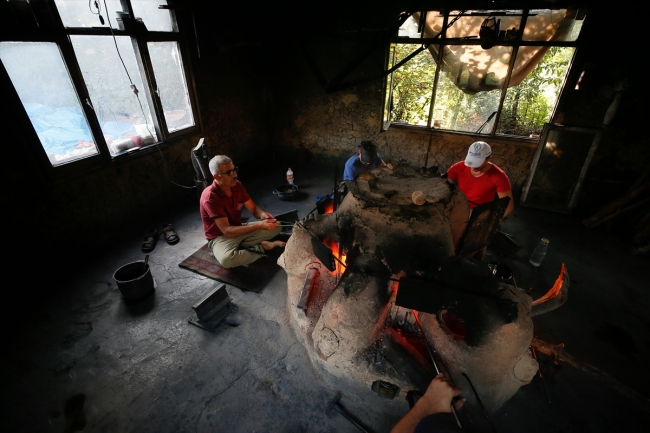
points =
(253, 277)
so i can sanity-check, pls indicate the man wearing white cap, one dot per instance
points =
(479, 179)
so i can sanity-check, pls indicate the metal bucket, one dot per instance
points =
(135, 281)
(287, 192)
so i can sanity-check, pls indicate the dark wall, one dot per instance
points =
(262, 101)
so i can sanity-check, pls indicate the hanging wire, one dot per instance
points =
(135, 92)
(97, 6)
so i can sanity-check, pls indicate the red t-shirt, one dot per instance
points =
(479, 190)
(216, 204)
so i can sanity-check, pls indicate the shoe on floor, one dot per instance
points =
(170, 234)
(150, 239)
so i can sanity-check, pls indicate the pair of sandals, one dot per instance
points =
(152, 235)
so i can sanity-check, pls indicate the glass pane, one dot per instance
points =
(172, 87)
(120, 112)
(84, 13)
(530, 104)
(390, 61)
(46, 91)
(434, 24)
(469, 87)
(469, 24)
(559, 168)
(409, 29)
(553, 25)
(412, 86)
(156, 20)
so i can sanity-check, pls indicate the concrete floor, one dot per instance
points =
(144, 368)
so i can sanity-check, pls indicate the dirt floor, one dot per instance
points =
(78, 358)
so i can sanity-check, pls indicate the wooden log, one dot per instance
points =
(557, 353)
(615, 205)
(642, 233)
(619, 212)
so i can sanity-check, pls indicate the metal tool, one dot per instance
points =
(478, 399)
(310, 277)
(280, 223)
(433, 360)
(412, 397)
(539, 371)
(336, 404)
(212, 309)
(322, 251)
(385, 389)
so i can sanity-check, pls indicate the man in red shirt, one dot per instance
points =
(234, 243)
(479, 179)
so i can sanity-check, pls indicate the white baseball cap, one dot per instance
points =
(478, 151)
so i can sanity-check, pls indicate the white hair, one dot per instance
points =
(216, 162)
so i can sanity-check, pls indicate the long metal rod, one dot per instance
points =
(435, 364)
(480, 402)
(310, 234)
(436, 78)
(478, 131)
(343, 411)
(539, 371)
(335, 85)
(472, 40)
(511, 66)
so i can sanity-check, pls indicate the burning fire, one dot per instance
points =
(556, 290)
(329, 208)
(334, 246)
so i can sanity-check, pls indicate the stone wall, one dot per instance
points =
(260, 100)
(333, 125)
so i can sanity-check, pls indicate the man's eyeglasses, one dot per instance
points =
(231, 172)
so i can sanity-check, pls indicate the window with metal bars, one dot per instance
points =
(98, 79)
(482, 72)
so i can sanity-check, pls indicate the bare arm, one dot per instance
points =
(511, 204)
(257, 211)
(437, 399)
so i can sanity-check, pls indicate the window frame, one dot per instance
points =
(52, 30)
(443, 41)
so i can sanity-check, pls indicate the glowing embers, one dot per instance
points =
(341, 256)
(329, 208)
(556, 296)
(453, 325)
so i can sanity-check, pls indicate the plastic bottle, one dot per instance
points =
(290, 176)
(539, 253)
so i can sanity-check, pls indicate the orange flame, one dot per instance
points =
(329, 208)
(556, 290)
(334, 246)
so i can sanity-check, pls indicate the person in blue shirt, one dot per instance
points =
(366, 159)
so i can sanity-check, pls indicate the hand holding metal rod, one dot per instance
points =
(435, 364)
(280, 223)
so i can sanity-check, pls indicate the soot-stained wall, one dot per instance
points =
(260, 99)
(310, 121)
(73, 217)
(334, 125)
